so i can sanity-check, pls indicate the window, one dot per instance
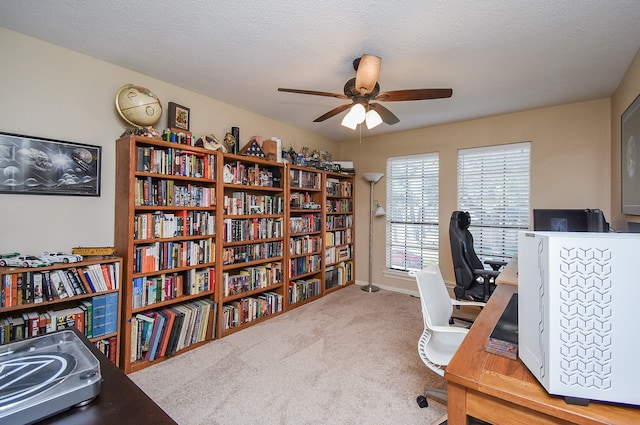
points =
(412, 216)
(493, 186)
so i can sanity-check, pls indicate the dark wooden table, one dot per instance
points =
(120, 401)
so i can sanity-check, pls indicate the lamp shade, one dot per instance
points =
(354, 117)
(373, 119)
(380, 211)
(372, 177)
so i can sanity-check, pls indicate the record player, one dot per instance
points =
(45, 375)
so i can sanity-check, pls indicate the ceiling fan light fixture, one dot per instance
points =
(373, 119)
(367, 74)
(354, 117)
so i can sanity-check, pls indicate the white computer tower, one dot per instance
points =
(579, 313)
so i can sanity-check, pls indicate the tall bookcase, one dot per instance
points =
(339, 231)
(253, 230)
(165, 229)
(86, 295)
(305, 232)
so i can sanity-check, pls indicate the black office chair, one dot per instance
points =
(473, 281)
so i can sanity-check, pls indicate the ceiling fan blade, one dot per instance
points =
(313, 92)
(415, 94)
(334, 111)
(367, 73)
(387, 116)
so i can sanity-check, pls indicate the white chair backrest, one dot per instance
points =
(436, 301)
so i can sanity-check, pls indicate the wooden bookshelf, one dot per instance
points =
(252, 239)
(339, 241)
(305, 232)
(165, 228)
(39, 300)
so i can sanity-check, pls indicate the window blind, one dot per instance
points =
(493, 186)
(412, 216)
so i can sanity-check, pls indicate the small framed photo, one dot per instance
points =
(179, 116)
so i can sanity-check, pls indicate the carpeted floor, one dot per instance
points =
(348, 358)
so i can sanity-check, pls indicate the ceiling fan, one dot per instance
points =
(363, 89)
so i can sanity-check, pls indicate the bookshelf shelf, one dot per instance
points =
(166, 231)
(35, 301)
(339, 231)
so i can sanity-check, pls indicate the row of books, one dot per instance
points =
(240, 203)
(303, 265)
(95, 317)
(259, 251)
(168, 225)
(339, 274)
(307, 244)
(35, 287)
(150, 290)
(339, 205)
(239, 230)
(339, 237)
(337, 187)
(336, 254)
(251, 278)
(109, 347)
(168, 193)
(175, 162)
(300, 290)
(304, 179)
(166, 331)
(252, 175)
(173, 254)
(305, 223)
(339, 222)
(245, 310)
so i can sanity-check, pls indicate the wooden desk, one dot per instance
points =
(503, 391)
(509, 274)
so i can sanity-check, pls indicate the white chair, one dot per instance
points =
(440, 340)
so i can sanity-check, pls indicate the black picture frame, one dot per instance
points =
(629, 155)
(40, 166)
(179, 116)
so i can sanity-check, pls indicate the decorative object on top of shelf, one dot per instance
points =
(235, 131)
(88, 251)
(60, 257)
(372, 178)
(630, 146)
(364, 88)
(230, 143)
(138, 106)
(209, 141)
(179, 116)
(17, 260)
(38, 166)
(253, 148)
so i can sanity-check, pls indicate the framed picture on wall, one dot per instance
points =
(178, 116)
(630, 140)
(39, 166)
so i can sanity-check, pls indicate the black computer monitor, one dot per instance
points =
(569, 220)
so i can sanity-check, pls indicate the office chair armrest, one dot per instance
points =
(468, 303)
(450, 329)
(496, 264)
(486, 273)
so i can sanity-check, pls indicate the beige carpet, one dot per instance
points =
(348, 358)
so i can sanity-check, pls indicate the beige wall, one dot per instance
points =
(570, 168)
(52, 92)
(627, 91)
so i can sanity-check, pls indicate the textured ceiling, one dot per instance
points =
(498, 56)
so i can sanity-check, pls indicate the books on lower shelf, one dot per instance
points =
(503, 340)
(165, 331)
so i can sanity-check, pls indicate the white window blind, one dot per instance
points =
(493, 186)
(412, 211)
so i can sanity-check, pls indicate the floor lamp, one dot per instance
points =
(372, 178)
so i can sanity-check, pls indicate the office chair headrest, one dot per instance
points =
(462, 218)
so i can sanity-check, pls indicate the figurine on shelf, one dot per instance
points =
(230, 142)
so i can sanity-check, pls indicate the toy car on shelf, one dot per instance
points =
(18, 260)
(60, 257)
(310, 206)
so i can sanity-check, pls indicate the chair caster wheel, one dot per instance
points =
(422, 401)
